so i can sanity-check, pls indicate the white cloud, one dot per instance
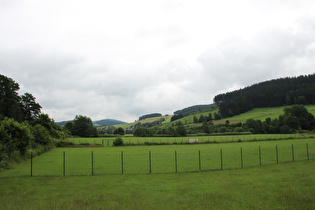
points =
(122, 59)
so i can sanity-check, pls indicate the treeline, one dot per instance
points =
(278, 92)
(150, 116)
(192, 109)
(23, 128)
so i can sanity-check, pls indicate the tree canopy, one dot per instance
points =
(278, 92)
(82, 126)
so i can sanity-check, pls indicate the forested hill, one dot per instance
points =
(277, 92)
(192, 109)
(150, 116)
(99, 122)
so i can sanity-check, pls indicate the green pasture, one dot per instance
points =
(164, 158)
(283, 186)
(108, 141)
(286, 185)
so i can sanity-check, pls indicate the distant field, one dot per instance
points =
(256, 114)
(261, 114)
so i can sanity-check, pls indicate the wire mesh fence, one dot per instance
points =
(82, 161)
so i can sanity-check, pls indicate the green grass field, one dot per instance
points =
(108, 141)
(283, 186)
(287, 185)
(188, 158)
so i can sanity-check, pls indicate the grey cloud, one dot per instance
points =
(269, 54)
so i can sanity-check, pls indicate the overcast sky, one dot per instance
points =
(122, 59)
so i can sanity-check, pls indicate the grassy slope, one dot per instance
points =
(285, 186)
(257, 114)
(263, 113)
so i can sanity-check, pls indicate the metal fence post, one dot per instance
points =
(199, 161)
(150, 163)
(175, 162)
(122, 162)
(277, 155)
(64, 163)
(292, 153)
(259, 156)
(221, 159)
(92, 162)
(242, 165)
(31, 164)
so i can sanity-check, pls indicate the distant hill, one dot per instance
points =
(150, 116)
(273, 93)
(99, 122)
(192, 109)
(108, 122)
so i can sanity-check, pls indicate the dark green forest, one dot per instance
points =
(193, 109)
(150, 116)
(277, 92)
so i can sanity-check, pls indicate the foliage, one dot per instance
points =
(83, 127)
(64, 144)
(37, 130)
(142, 132)
(289, 91)
(9, 99)
(181, 131)
(14, 136)
(119, 131)
(295, 118)
(192, 109)
(176, 117)
(19, 108)
(118, 142)
(30, 107)
(41, 134)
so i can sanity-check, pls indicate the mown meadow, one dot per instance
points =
(251, 179)
(164, 158)
(218, 138)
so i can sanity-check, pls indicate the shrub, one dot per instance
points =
(41, 134)
(64, 144)
(118, 142)
(14, 136)
(239, 129)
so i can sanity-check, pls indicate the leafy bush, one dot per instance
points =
(118, 142)
(15, 136)
(64, 144)
(41, 134)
